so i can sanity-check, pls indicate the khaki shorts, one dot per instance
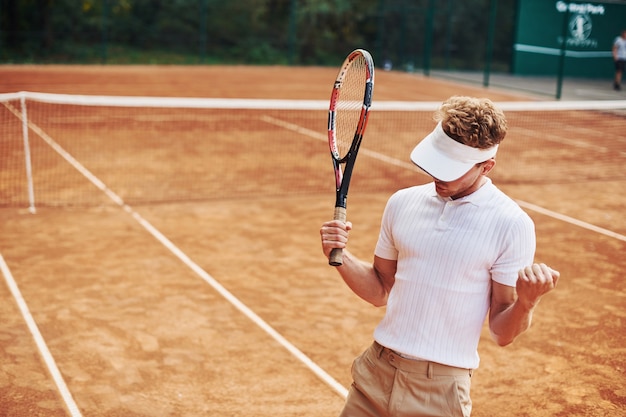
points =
(385, 384)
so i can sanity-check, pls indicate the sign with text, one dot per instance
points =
(574, 36)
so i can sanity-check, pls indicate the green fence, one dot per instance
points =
(573, 39)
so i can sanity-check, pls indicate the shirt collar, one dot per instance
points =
(477, 198)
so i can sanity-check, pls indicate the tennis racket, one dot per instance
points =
(350, 103)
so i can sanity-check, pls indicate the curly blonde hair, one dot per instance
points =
(474, 122)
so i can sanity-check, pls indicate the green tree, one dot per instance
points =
(449, 33)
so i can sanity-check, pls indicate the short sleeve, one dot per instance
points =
(385, 247)
(518, 251)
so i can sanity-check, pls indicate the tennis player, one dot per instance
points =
(449, 253)
(619, 57)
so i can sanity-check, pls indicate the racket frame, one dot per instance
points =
(344, 176)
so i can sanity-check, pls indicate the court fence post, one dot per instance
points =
(563, 52)
(430, 17)
(490, 39)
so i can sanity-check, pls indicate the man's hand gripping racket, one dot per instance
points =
(350, 103)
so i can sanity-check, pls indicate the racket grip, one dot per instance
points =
(336, 255)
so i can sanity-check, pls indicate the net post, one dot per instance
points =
(29, 169)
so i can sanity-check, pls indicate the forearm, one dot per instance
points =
(511, 308)
(509, 323)
(363, 279)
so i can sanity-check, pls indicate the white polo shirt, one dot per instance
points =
(447, 252)
(620, 43)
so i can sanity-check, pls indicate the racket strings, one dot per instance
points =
(349, 104)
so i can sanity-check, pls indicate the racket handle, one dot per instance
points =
(336, 255)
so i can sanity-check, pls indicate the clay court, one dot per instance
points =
(223, 305)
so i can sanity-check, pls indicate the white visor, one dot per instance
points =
(446, 159)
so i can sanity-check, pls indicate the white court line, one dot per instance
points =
(571, 220)
(402, 164)
(567, 141)
(316, 135)
(316, 369)
(39, 340)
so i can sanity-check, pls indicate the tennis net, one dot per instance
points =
(69, 150)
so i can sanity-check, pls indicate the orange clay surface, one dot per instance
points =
(135, 331)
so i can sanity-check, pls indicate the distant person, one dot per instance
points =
(619, 57)
(450, 253)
